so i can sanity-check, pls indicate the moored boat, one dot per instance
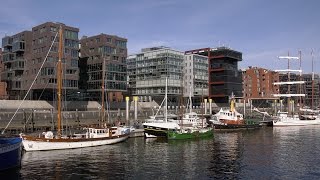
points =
(231, 119)
(10, 152)
(306, 116)
(190, 133)
(96, 136)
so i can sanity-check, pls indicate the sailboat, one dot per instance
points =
(198, 130)
(159, 128)
(285, 118)
(92, 137)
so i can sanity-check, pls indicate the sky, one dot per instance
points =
(262, 30)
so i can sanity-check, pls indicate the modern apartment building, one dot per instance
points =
(224, 76)
(148, 70)
(195, 77)
(24, 54)
(312, 97)
(43, 36)
(104, 53)
(258, 83)
(16, 52)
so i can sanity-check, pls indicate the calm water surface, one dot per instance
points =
(268, 153)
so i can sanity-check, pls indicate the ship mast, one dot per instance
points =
(289, 88)
(102, 92)
(312, 82)
(289, 82)
(59, 82)
(300, 79)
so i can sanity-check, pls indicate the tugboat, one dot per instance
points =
(231, 119)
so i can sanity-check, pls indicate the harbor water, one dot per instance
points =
(267, 153)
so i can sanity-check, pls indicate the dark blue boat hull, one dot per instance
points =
(10, 153)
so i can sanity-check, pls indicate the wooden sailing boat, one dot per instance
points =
(92, 137)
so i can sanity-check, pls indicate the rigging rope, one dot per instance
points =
(31, 84)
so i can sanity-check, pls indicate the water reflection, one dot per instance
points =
(268, 153)
(89, 162)
(226, 152)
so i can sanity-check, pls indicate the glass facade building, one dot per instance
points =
(147, 72)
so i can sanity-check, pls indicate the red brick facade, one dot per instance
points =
(258, 83)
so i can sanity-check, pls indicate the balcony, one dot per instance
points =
(6, 41)
(17, 64)
(7, 56)
(18, 46)
(6, 76)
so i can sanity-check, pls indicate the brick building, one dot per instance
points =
(24, 54)
(3, 85)
(258, 83)
(108, 50)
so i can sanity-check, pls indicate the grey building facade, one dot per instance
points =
(148, 70)
(195, 77)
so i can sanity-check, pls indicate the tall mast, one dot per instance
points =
(202, 109)
(289, 88)
(181, 98)
(190, 99)
(300, 79)
(102, 92)
(166, 102)
(312, 82)
(59, 81)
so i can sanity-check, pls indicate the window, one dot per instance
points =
(43, 29)
(71, 34)
(74, 53)
(74, 62)
(53, 29)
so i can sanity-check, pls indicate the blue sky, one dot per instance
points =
(261, 30)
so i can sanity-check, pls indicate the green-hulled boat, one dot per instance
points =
(198, 133)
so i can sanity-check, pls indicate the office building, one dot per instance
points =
(224, 77)
(148, 70)
(195, 77)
